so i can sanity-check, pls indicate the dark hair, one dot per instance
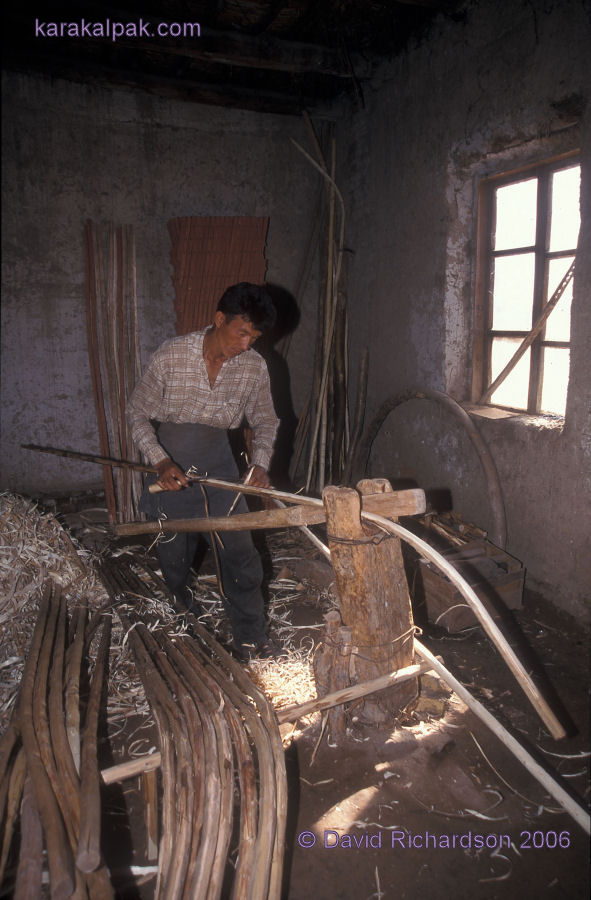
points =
(251, 301)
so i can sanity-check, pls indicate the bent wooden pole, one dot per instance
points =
(568, 803)
(59, 855)
(89, 853)
(523, 677)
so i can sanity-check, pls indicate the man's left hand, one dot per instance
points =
(259, 477)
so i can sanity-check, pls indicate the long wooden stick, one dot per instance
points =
(526, 759)
(69, 793)
(523, 677)
(30, 861)
(336, 698)
(61, 867)
(89, 457)
(262, 724)
(267, 518)
(89, 853)
(72, 681)
(92, 306)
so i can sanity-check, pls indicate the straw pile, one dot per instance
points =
(34, 547)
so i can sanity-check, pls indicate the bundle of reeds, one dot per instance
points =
(324, 423)
(113, 348)
(219, 742)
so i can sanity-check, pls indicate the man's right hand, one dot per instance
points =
(170, 477)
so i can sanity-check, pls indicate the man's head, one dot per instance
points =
(251, 302)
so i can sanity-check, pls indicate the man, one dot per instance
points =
(196, 387)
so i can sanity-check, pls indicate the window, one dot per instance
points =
(528, 231)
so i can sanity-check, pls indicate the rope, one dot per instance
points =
(368, 539)
(409, 633)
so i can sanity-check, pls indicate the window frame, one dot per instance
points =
(485, 254)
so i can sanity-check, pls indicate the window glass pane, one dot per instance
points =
(555, 380)
(513, 292)
(514, 389)
(558, 323)
(516, 215)
(566, 217)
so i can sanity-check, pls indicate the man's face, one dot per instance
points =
(234, 334)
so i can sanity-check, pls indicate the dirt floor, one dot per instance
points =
(432, 805)
(437, 807)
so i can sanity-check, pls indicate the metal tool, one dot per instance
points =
(239, 494)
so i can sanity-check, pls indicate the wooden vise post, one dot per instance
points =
(372, 589)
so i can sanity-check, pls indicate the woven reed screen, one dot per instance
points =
(209, 254)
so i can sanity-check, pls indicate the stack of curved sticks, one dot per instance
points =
(220, 748)
(47, 773)
(224, 789)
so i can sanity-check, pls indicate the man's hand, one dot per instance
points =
(258, 477)
(170, 477)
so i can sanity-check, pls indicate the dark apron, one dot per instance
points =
(207, 448)
(241, 569)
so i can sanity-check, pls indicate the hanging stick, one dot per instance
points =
(95, 369)
(530, 338)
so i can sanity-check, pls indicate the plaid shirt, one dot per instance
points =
(175, 388)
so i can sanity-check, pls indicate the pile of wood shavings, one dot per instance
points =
(34, 547)
(288, 681)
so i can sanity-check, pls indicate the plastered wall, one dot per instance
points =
(73, 152)
(507, 86)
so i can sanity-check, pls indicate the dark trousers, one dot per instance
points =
(240, 565)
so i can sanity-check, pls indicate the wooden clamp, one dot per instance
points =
(389, 504)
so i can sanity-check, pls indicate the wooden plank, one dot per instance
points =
(266, 518)
(392, 504)
(389, 505)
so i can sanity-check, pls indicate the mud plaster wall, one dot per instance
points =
(74, 152)
(505, 87)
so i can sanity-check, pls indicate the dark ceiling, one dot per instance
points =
(268, 55)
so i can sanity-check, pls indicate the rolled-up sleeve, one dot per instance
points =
(260, 415)
(145, 404)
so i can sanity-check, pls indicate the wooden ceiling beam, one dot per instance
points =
(185, 89)
(437, 5)
(270, 53)
(228, 48)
